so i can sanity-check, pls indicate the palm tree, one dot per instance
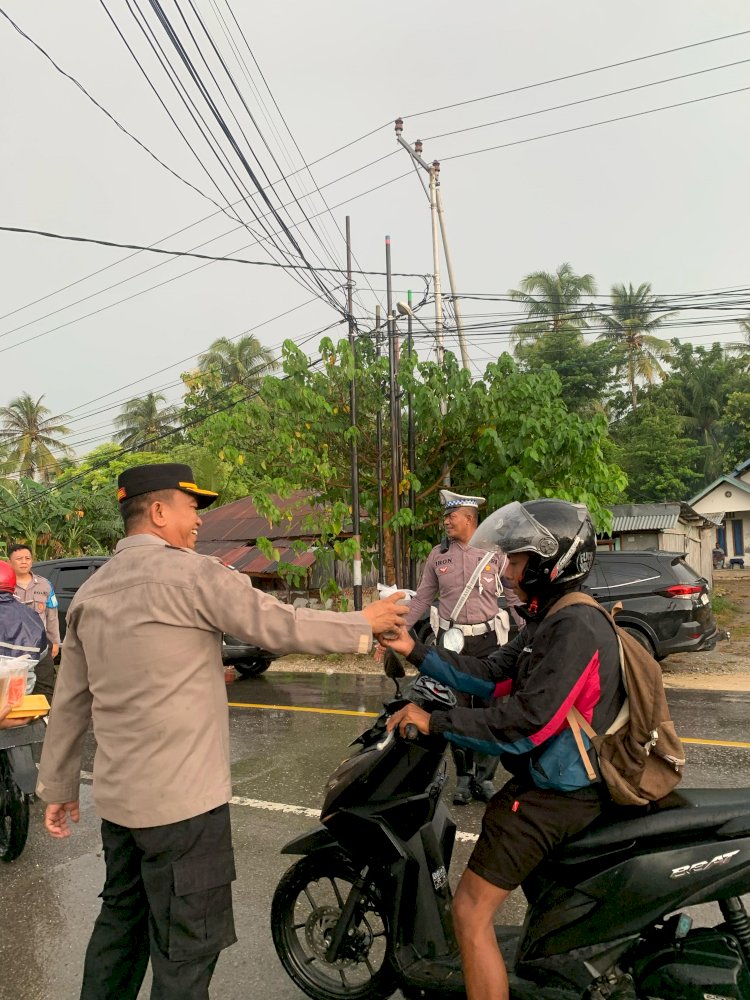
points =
(143, 419)
(241, 362)
(742, 347)
(553, 303)
(635, 314)
(30, 435)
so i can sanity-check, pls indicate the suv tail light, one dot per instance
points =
(683, 590)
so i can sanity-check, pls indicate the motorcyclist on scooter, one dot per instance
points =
(21, 631)
(569, 660)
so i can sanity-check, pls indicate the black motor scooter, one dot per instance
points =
(18, 776)
(367, 910)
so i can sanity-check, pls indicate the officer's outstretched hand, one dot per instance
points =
(402, 642)
(386, 615)
(56, 818)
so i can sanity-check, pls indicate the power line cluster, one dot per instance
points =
(188, 54)
(210, 86)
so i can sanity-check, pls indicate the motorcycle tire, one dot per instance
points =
(252, 668)
(14, 814)
(306, 906)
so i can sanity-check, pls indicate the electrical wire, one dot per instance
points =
(111, 117)
(579, 73)
(587, 100)
(197, 256)
(224, 128)
(608, 121)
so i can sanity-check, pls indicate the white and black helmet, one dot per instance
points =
(559, 537)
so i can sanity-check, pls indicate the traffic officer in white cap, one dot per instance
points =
(467, 583)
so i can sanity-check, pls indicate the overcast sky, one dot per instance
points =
(659, 198)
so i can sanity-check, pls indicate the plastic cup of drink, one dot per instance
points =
(13, 677)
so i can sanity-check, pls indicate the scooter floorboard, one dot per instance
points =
(430, 978)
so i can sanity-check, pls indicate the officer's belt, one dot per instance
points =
(480, 629)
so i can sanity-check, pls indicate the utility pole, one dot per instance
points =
(411, 451)
(379, 463)
(449, 265)
(357, 565)
(395, 414)
(438, 223)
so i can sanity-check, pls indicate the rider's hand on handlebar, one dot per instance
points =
(401, 643)
(387, 614)
(411, 714)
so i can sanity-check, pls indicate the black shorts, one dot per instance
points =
(523, 824)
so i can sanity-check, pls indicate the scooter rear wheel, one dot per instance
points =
(14, 814)
(306, 907)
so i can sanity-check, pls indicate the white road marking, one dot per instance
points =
(285, 807)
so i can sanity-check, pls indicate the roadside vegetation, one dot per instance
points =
(593, 403)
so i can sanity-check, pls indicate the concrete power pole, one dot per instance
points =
(438, 224)
(357, 565)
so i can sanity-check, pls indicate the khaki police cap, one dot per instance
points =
(165, 476)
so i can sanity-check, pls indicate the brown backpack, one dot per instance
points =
(640, 755)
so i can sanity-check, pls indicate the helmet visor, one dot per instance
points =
(513, 529)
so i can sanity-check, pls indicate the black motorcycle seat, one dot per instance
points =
(680, 812)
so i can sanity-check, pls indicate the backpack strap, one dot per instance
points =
(574, 718)
(577, 723)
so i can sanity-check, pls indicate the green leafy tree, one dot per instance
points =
(741, 348)
(698, 387)
(553, 304)
(661, 459)
(586, 371)
(30, 436)
(635, 314)
(33, 514)
(143, 420)
(242, 362)
(509, 434)
(736, 429)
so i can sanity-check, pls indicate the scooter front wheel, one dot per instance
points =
(306, 908)
(14, 814)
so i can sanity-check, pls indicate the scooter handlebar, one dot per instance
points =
(411, 732)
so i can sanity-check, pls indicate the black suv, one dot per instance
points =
(67, 575)
(665, 604)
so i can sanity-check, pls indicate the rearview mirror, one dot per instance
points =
(392, 665)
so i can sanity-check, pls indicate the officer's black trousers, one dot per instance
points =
(167, 896)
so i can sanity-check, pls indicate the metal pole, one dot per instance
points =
(412, 453)
(451, 277)
(379, 463)
(439, 341)
(357, 564)
(395, 471)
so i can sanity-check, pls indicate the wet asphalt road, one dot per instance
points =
(279, 758)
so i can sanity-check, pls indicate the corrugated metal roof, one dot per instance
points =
(643, 522)
(644, 516)
(656, 517)
(249, 559)
(230, 532)
(240, 521)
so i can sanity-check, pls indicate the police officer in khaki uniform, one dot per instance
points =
(449, 568)
(38, 593)
(142, 656)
